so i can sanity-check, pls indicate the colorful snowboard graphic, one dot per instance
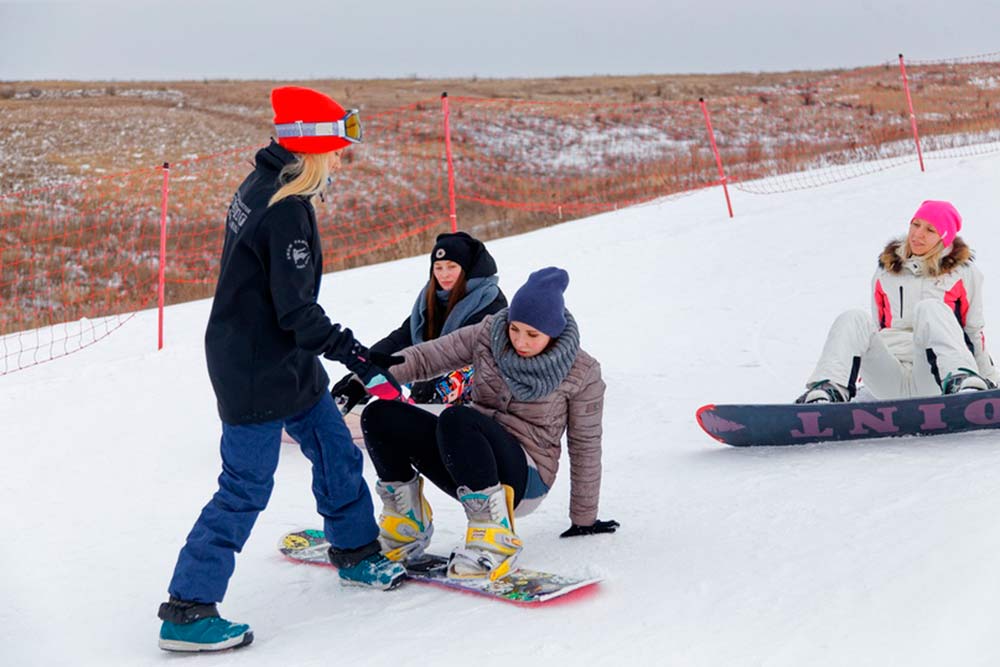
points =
(521, 587)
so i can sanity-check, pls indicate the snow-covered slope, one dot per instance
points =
(871, 553)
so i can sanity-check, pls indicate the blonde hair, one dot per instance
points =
(306, 177)
(932, 258)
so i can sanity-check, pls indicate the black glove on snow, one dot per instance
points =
(597, 527)
(349, 392)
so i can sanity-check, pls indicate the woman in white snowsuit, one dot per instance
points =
(925, 333)
(498, 453)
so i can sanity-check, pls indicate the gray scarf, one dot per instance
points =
(534, 377)
(479, 293)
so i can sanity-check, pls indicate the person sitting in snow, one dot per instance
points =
(462, 289)
(264, 336)
(925, 334)
(497, 454)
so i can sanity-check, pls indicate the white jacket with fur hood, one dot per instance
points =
(901, 282)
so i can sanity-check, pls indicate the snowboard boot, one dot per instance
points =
(406, 523)
(366, 566)
(824, 391)
(195, 626)
(963, 380)
(491, 547)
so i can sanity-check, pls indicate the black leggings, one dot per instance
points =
(459, 447)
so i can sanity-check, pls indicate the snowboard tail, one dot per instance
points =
(797, 424)
(522, 586)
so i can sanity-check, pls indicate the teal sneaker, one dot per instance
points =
(367, 566)
(196, 626)
(208, 634)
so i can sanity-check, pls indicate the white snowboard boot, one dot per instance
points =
(963, 380)
(824, 391)
(406, 523)
(491, 547)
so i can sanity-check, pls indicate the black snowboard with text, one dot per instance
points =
(797, 424)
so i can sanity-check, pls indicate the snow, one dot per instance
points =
(870, 553)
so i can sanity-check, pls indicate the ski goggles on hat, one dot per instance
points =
(348, 127)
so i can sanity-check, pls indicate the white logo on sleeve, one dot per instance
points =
(298, 253)
(238, 214)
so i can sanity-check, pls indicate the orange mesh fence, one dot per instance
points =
(200, 192)
(858, 122)
(390, 187)
(76, 260)
(75, 263)
(840, 127)
(574, 158)
(957, 104)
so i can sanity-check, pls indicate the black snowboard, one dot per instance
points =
(794, 424)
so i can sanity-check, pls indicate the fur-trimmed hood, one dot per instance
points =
(959, 254)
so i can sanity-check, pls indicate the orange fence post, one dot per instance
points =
(451, 165)
(161, 291)
(913, 116)
(718, 158)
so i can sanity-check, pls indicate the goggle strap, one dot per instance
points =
(335, 128)
(300, 129)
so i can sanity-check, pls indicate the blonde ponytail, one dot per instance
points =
(306, 177)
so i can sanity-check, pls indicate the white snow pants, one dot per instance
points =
(938, 349)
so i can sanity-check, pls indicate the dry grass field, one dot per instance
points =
(79, 238)
(52, 131)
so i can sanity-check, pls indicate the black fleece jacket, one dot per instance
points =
(266, 330)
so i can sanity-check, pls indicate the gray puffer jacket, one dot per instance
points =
(575, 407)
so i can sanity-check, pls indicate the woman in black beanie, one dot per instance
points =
(462, 289)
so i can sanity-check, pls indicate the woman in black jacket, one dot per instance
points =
(264, 337)
(462, 289)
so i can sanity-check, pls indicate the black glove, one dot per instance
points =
(378, 381)
(383, 360)
(349, 392)
(341, 345)
(597, 527)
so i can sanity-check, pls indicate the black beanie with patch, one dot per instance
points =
(466, 251)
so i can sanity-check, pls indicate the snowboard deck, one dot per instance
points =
(797, 424)
(522, 586)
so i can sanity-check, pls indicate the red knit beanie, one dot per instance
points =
(296, 104)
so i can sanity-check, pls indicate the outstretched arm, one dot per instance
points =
(441, 355)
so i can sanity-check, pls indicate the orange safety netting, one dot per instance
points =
(857, 123)
(576, 158)
(957, 105)
(390, 187)
(76, 261)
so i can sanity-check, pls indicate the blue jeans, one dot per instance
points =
(249, 459)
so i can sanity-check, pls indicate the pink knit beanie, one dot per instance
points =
(943, 216)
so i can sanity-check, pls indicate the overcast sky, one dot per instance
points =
(141, 39)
